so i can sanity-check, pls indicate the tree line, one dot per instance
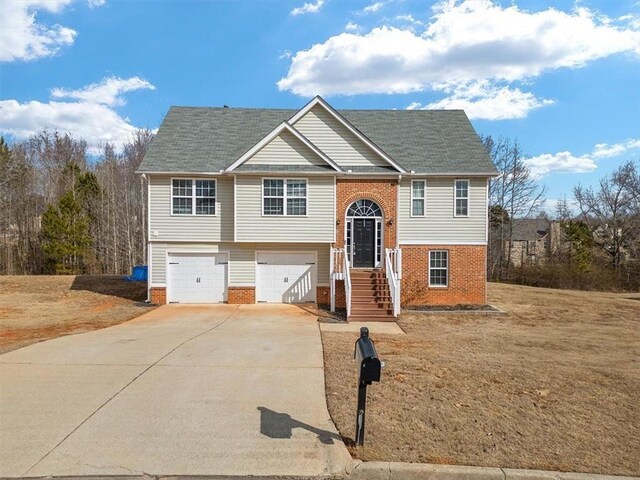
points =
(65, 209)
(596, 229)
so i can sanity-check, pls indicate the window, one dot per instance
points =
(284, 197)
(462, 198)
(438, 268)
(418, 191)
(189, 197)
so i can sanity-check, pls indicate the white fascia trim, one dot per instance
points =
(452, 174)
(318, 100)
(439, 242)
(273, 134)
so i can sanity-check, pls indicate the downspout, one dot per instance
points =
(146, 250)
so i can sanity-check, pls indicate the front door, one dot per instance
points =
(364, 245)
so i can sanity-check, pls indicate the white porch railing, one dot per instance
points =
(347, 282)
(393, 266)
(339, 267)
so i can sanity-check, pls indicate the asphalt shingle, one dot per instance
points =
(207, 140)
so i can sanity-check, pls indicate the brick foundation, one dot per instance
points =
(467, 276)
(323, 295)
(158, 295)
(241, 295)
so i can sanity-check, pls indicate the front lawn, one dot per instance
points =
(37, 308)
(552, 385)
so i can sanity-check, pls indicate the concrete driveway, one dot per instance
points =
(181, 390)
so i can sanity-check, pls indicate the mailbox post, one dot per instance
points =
(369, 371)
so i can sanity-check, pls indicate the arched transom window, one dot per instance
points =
(364, 208)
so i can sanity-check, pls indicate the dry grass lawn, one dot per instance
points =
(37, 308)
(552, 385)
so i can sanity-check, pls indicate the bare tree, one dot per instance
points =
(611, 210)
(515, 193)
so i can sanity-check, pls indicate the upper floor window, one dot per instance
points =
(418, 194)
(193, 197)
(284, 196)
(438, 268)
(462, 198)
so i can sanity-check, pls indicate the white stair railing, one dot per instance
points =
(393, 266)
(336, 269)
(347, 281)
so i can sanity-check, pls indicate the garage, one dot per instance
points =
(286, 277)
(197, 277)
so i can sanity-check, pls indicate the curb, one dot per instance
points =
(423, 471)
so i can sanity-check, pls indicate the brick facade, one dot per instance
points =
(241, 295)
(323, 295)
(158, 295)
(382, 191)
(467, 276)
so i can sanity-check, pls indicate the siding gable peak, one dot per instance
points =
(286, 137)
(358, 146)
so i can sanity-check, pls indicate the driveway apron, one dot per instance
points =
(182, 390)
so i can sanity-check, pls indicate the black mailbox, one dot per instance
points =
(369, 371)
(367, 358)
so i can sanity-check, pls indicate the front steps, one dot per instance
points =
(370, 296)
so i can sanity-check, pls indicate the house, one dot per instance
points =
(533, 240)
(356, 209)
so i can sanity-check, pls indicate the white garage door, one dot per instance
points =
(197, 278)
(286, 277)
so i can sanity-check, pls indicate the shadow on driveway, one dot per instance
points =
(279, 425)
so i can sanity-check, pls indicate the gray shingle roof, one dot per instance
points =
(207, 140)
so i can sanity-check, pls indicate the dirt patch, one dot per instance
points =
(552, 385)
(37, 308)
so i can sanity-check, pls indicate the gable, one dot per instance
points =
(336, 141)
(286, 149)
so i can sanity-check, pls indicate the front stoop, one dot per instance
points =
(370, 296)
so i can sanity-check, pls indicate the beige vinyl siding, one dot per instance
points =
(317, 226)
(190, 227)
(285, 149)
(335, 140)
(242, 258)
(439, 225)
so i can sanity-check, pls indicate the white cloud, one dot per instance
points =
(308, 8)
(92, 118)
(464, 42)
(604, 150)
(351, 26)
(96, 3)
(566, 162)
(408, 19)
(23, 38)
(482, 100)
(373, 8)
(107, 92)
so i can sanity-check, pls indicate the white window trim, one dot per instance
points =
(423, 198)
(455, 197)
(439, 268)
(193, 198)
(285, 197)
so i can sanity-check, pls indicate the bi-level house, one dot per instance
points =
(356, 209)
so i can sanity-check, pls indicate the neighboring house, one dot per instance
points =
(359, 209)
(533, 240)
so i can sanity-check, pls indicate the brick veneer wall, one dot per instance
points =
(241, 295)
(382, 191)
(158, 295)
(467, 276)
(323, 296)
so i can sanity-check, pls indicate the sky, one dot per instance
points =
(561, 77)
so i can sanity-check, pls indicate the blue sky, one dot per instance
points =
(562, 77)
